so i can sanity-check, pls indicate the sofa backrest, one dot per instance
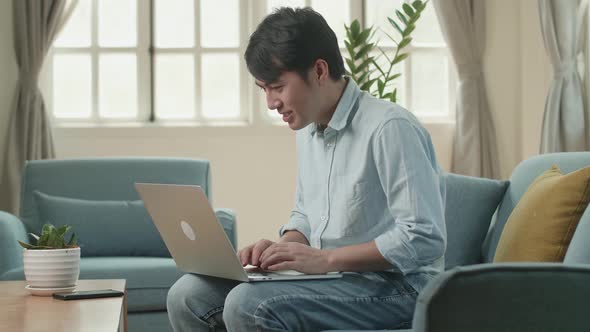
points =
(469, 207)
(110, 180)
(522, 176)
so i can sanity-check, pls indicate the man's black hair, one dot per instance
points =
(292, 40)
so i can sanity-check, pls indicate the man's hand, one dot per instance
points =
(251, 254)
(295, 256)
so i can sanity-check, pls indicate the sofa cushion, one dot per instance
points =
(543, 222)
(148, 278)
(104, 228)
(470, 205)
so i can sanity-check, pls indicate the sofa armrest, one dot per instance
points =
(11, 230)
(506, 297)
(227, 218)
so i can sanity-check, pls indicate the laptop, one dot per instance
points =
(195, 238)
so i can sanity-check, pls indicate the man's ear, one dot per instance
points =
(321, 71)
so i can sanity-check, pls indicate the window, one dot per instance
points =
(182, 60)
(427, 84)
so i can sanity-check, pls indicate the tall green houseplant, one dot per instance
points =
(363, 67)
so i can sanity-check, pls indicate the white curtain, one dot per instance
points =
(565, 122)
(463, 26)
(36, 22)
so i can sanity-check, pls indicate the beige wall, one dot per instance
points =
(517, 77)
(254, 168)
(7, 69)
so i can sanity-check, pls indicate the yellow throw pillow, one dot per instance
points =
(543, 222)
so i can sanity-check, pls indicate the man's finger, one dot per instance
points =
(276, 258)
(259, 248)
(275, 247)
(245, 255)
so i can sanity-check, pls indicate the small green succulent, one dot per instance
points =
(52, 238)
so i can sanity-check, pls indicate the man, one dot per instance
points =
(369, 200)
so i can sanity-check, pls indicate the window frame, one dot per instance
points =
(251, 101)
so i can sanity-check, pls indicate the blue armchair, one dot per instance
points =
(514, 296)
(115, 232)
(475, 294)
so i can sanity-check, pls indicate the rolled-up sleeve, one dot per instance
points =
(410, 177)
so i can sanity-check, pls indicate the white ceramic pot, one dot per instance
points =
(52, 268)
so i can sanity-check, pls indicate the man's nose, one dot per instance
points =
(271, 101)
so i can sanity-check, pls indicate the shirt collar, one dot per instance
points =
(345, 106)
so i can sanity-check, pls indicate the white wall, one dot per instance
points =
(8, 71)
(517, 77)
(254, 168)
(535, 77)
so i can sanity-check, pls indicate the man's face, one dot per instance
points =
(293, 98)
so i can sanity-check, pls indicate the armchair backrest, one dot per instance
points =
(103, 179)
(522, 176)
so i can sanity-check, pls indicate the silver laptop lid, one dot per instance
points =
(190, 229)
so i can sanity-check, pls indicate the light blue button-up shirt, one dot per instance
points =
(372, 174)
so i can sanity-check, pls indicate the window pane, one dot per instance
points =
(376, 14)
(220, 21)
(174, 86)
(427, 27)
(221, 85)
(117, 88)
(272, 4)
(117, 23)
(76, 31)
(398, 83)
(174, 23)
(336, 13)
(430, 77)
(72, 93)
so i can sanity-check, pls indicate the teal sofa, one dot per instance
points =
(472, 295)
(117, 237)
(475, 294)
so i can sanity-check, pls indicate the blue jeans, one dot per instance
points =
(373, 300)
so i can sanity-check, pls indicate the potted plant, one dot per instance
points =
(51, 263)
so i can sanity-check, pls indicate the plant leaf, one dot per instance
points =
(409, 29)
(73, 241)
(394, 96)
(404, 42)
(363, 66)
(349, 48)
(46, 229)
(380, 87)
(25, 245)
(396, 26)
(64, 229)
(355, 28)
(362, 38)
(393, 77)
(408, 10)
(401, 16)
(362, 78)
(364, 51)
(351, 65)
(367, 85)
(417, 4)
(399, 58)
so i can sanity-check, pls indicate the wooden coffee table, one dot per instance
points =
(21, 311)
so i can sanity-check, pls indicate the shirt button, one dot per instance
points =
(329, 144)
(323, 218)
